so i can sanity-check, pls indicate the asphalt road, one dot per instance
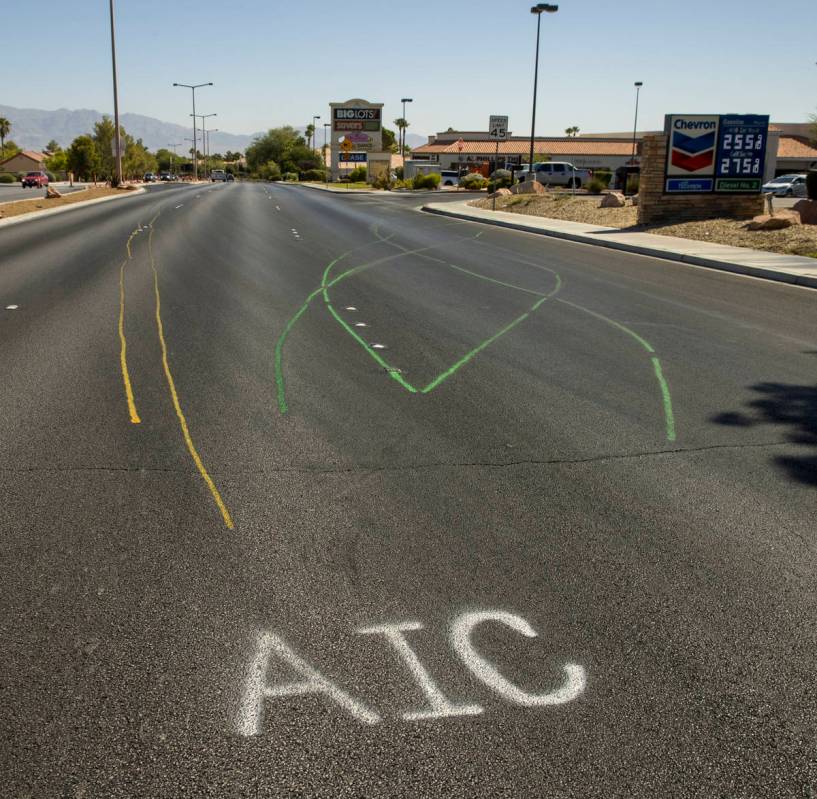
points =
(10, 193)
(554, 538)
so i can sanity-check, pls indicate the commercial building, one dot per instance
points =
(475, 151)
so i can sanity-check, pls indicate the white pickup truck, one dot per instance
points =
(558, 173)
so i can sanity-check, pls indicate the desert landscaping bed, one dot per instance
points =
(40, 203)
(795, 240)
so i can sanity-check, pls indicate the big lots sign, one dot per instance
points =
(708, 153)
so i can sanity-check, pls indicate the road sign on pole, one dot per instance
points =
(498, 128)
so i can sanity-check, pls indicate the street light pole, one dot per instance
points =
(315, 131)
(638, 84)
(193, 88)
(202, 117)
(117, 140)
(323, 156)
(174, 146)
(404, 100)
(538, 10)
(207, 152)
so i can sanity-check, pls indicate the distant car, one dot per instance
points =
(35, 180)
(166, 176)
(560, 173)
(786, 186)
(230, 176)
(150, 177)
(218, 174)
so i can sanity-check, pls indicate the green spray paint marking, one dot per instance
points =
(668, 414)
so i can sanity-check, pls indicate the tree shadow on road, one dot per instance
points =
(784, 405)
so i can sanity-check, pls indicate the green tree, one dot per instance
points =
(283, 145)
(58, 162)
(389, 141)
(5, 129)
(83, 158)
(573, 132)
(136, 159)
(310, 134)
(103, 136)
(53, 146)
(402, 124)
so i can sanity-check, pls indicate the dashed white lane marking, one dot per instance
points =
(12, 307)
(178, 206)
(277, 207)
(378, 346)
(350, 308)
(360, 324)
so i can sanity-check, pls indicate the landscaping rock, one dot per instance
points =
(615, 199)
(501, 193)
(807, 210)
(778, 221)
(635, 199)
(528, 187)
(51, 193)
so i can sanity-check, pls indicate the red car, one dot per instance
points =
(35, 179)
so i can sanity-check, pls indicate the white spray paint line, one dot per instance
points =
(250, 717)
(484, 670)
(439, 706)
(12, 307)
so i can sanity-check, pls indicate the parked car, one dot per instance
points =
(150, 177)
(561, 173)
(165, 176)
(218, 174)
(230, 176)
(449, 177)
(786, 186)
(35, 180)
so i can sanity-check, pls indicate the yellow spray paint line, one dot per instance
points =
(188, 440)
(123, 344)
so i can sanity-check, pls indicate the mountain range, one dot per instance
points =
(33, 128)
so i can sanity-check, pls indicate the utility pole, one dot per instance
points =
(117, 139)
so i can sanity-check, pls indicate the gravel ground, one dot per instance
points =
(797, 240)
(40, 203)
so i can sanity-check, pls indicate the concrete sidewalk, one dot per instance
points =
(794, 269)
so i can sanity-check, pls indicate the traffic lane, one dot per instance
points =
(12, 193)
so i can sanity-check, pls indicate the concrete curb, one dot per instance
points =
(30, 217)
(382, 192)
(781, 276)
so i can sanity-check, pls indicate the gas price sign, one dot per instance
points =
(741, 153)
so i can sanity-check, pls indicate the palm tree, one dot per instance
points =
(310, 132)
(5, 129)
(572, 131)
(402, 125)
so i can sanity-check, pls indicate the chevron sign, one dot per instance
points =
(693, 139)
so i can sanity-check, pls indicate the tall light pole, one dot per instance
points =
(314, 131)
(193, 88)
(207, 150)
(202, 117)
(638, 84)
(404, 100)
(117, 139)
(323, 157)
(546, 8)
(175, 154)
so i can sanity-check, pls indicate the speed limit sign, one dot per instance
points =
(498, 128)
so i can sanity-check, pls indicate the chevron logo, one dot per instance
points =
(692, 144)
(692, 163)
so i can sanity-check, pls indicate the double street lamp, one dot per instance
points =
(202, 117)
(193, 88)
(538, 10)
(174, 146)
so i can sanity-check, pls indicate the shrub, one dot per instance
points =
(384, 180)
(595, 185)
(811, 184)
(604, 175)
(313, 174)
(270, 171)
(50, 176)
(291, 176)
(430, 181)
(500, 179)
(473, 180)
(358, 174)
(398, 173)
(7, 177)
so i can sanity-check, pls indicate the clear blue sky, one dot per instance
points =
(278, 61)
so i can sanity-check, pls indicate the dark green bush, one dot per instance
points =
(291, 176)
(313, 174)
(7, 177)
(358, 174)
(811, 184)
(604, 175)
(595, 185)
(430, 181)
(473, 180)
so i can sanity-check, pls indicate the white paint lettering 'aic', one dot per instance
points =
(250, 717)
(439, 705)
(483, 669)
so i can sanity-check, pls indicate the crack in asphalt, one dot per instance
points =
(363, 469)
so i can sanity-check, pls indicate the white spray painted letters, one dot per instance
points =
(438, 705)
(250, 716)
(485, 671)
